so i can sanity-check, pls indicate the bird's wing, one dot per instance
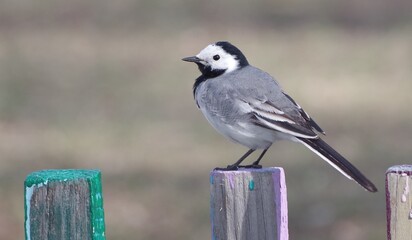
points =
(270, 107)
(266, 114)
(306, 116)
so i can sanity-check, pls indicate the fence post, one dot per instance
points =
(399, 202)
(64, 204)
(249, 204)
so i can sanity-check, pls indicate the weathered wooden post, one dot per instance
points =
(64, 204)
(249, 204)
(399, 202)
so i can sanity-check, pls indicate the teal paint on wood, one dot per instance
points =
(64, 204)
(251, 185)
(96, 209)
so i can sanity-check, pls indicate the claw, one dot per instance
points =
(228, 168)
(255, 166)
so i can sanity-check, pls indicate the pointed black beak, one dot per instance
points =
(192, 59)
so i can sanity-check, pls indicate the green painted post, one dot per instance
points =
(64, 204)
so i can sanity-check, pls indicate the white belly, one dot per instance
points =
(247, 134)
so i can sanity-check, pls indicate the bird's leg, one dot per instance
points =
(255, 164)
(235, 165)
(260, 157)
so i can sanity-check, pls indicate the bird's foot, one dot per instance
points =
(255, 166)
(235, 167)
(228, 168)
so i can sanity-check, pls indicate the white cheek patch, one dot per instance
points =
(229, 63)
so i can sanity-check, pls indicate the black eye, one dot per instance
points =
(216, 57)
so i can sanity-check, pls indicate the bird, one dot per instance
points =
(248, 106)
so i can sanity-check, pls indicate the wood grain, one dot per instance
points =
(399, 202)
(64, 204)
(249, 204)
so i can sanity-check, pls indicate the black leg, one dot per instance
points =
(255, 164)
(260, 157)
(236, 164)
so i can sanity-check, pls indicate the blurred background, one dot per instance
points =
(100, 84)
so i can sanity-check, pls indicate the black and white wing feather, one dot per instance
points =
(290, 120)
(306, 116)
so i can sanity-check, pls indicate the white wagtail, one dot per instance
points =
(248, 106)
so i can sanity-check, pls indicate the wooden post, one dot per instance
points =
(399, 202)
(64, 204)
(249, 204)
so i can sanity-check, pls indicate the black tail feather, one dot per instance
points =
(321, 148)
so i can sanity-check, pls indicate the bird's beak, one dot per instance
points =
(192, 59)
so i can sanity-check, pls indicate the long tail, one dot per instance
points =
(329, 154)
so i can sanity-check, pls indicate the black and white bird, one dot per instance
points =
(248, 106)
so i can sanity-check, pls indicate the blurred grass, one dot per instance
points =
(100, 84)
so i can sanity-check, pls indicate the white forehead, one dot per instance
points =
(210, 51)
(227, 61)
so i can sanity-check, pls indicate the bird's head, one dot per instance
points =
(218, 58)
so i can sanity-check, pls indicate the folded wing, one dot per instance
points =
(292, 120)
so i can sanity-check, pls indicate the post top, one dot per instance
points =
(256, 170)
(43, 176)
(407, 169)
